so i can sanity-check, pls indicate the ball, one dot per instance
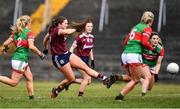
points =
(173, 68)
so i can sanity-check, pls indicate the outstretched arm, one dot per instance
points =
(66, 31)
(158, 65)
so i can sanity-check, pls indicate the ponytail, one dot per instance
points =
(21, 23)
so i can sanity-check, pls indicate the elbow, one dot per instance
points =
(31, 47)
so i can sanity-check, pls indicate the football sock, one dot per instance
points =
(59, 89)
(101, 77)
(81, 93)
(119, 78)
(31, 97)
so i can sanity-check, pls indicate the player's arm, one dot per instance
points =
(33, 47)
(66, 31)
(74, 45)
(92, 59)
(7, 42)
(158, 64)
(72, 48)
(159, 61)
(46, 41)
(31, 44)
(126, 39)
(91, 54)
(145, 39)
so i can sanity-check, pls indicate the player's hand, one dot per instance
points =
(42, 56)
(5, 49)
(92, 64)
(45, 51)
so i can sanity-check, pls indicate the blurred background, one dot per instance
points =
(112, 20)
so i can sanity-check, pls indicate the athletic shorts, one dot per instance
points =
(85, 59)
(131, 58)
(61, 60)
(19, 65)
(153, 70)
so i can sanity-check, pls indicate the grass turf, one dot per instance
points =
(95, 96)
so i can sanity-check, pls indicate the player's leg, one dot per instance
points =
(151, 82)
(134, 66)
(135, 76)
(69, 74)
(29, 82)
(146, 79)
(13, 81)
(85, 81)
(76, 62)
(125, 77)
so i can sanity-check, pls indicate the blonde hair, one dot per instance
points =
(147, 17)
(21, 23)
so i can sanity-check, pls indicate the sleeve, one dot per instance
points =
(162, 52)
(31, 36)
(12, 37)
(126, 39)
(76, 41)
(145, 39)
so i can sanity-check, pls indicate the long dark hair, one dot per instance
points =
(55, 22)
(80, 25)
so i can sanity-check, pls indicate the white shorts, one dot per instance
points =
(131, 58)
(19, 65)
(153, 70)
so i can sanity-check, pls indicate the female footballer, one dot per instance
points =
(132, 54)
(84, 44)
(62, 59)
(23, 39)
(152, 62)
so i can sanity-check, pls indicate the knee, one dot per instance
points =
(30, 78)
(71, 80)
(14, 83)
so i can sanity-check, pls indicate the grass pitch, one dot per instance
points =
(96, 96)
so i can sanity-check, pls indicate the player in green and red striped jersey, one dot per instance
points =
(152, 62)
(23, 39)
(132, 54)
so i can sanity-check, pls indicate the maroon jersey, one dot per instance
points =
(58, 42)
(84, 44)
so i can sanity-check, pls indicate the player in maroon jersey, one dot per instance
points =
(62, 59)
(84, 44)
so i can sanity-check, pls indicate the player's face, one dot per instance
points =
(151, 23)
(64, 24)
(88, 28)
(154, 40)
